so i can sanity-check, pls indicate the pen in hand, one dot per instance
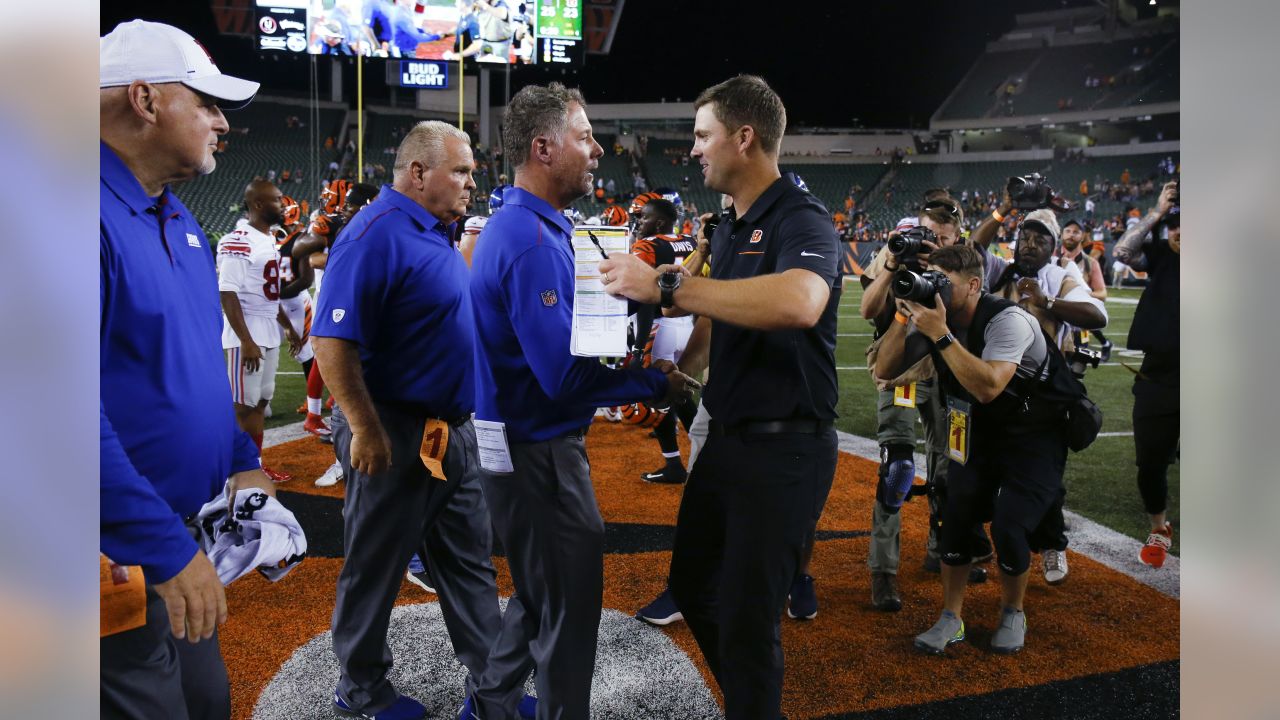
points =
(599, 247)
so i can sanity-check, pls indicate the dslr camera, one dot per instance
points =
(921, 287)
(1032, 192)
(906, 245)
(1081, 359)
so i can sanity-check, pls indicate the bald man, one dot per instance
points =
(249, 285)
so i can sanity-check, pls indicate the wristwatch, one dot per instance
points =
(944, 342)
(668, 283)
(1048, 305)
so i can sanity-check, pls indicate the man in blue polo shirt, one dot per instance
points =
(754, 497)
(169, 439)
(534, 401)
(395, 336)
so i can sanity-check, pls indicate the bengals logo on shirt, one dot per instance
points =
(757, 236)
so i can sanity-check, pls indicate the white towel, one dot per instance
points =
(261, 533)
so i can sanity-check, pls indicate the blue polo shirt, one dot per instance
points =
(405, 31)
(169, 438)
(396, 285)
(522, 279)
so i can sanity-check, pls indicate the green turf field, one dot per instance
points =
(1101, 481)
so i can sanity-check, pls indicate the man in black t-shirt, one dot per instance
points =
(1156, 411)
(755, 494)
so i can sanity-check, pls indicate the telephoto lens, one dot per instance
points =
(921, 288)
(910, 241)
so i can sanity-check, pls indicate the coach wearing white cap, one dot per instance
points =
(169, 439)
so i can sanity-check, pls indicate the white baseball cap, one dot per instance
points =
(159, 53)
(475, 224)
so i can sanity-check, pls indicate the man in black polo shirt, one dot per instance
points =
(762, 479)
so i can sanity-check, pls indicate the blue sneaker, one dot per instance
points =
(468, 710)
(527, 710)
(804, 601)
(404, 708)
(662, 611)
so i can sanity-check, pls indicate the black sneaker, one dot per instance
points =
(977, 575)
(671, 474)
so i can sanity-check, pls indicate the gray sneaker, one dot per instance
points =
(947, 631)
(1055, 566)
(1012, 633)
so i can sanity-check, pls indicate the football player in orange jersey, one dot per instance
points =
(657, 247)
(309, 254)
(294, 282)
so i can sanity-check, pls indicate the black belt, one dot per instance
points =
(771, 427)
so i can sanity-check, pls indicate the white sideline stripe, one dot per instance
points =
(1102, 544)
(283, 434)
(1097, 542)
(288, 372)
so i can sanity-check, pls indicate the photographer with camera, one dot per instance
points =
(898, 401)
(1055, 295)
(1074, 249)
(1058, 298)
(1154, 244)
(1006, 443)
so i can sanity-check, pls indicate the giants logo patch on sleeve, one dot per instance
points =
(549, 297)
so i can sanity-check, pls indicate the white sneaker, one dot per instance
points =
(419, 581)
(330, 476)
(1055, 566)
(266, 412)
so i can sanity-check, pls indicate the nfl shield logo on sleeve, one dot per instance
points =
(338, 314)
(549, 297)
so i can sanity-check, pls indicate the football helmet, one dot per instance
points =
(495, 198)
(614, 215)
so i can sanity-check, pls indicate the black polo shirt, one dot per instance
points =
(759, 375)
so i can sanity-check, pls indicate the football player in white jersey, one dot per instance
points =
(249, 284)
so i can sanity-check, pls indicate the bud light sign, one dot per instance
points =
(424, 74)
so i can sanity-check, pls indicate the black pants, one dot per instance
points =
(386, 519)
(546, 515)
(1156, 423)
(1015, 482)
(147, 674)
(749, 506)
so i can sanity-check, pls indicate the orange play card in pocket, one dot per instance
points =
(435, 440)
(123, 601)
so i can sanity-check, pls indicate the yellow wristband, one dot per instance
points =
(900, 318)
(997, 216)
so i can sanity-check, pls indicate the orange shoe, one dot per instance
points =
(277, 476)
(1157, 547)
(314, 424)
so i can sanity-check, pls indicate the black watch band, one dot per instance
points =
(944, 342)
(668, 283)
